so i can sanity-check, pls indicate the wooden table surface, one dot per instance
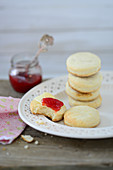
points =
(53, 150)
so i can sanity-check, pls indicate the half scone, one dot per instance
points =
(93, 103)
(85, 84)
(81, 96)
(82, 116)
(47, 105)
(83, 64)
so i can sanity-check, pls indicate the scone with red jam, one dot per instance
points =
(47, 105)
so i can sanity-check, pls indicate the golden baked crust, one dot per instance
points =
(82, 116)
(27, 138)
(86, 84)
(83, 64)
(85, 75)
(94, 103)
(81, 96)
(36, 107)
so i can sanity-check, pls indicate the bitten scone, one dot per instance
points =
(83, 64)
(94, 103)
(46, 104)
(85, 84)
(81, 96)
(82, 116)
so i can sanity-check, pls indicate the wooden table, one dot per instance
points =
(52, 150)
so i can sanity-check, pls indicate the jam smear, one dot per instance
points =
(54, 104)
(22, 83)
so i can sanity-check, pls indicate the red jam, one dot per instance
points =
(52, 103)
(22, 83)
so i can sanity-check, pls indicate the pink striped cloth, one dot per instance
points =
(11, 126)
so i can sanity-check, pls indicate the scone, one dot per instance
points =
(82, 116)
(85, 84)
(94, 103)
(81, 96)
(46, 104)
(83, 64)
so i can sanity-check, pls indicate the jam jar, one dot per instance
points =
(22, 77)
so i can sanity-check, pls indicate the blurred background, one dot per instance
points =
(84, 25)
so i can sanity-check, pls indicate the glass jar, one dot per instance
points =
(22, 78)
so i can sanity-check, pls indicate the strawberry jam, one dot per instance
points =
(54, 104)
(22, 83)
(24, 74)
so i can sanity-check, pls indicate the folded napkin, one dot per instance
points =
(11, 126)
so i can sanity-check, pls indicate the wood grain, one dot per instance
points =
(82, 25)
(55, 15)
(53, 150)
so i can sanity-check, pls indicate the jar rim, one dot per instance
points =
(23, 59)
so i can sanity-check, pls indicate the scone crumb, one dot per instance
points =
(26, 147)
(4, 149)
(27, 138)
(40, 122)
(36, 142)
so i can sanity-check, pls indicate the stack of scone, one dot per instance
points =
(84, 79)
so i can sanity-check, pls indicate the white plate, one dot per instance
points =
(57, 87)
